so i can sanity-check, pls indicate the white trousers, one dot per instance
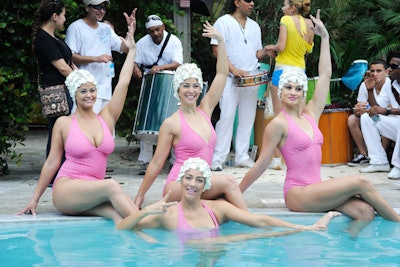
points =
(244, 99)
(387, 126)
(146, 152)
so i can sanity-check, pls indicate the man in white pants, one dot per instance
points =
(378, 71)
(148, 50)
(244, 49)
(385, 122)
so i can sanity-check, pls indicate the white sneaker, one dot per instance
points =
(275, 164)
(376, 168)
(394, 174)
(217, 167)
(247, 163)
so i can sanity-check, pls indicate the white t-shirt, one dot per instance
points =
(363, 92)
(147, 51)
(241, 44)
(386, 96)
(86, 41)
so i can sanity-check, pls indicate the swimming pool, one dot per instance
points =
(96, 242)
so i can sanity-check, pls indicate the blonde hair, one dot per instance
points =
(303, 6)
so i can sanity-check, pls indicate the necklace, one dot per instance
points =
(241, 28)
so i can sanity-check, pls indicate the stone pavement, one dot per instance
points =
(266, 193)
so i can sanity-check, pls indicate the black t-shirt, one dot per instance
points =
(48, 49)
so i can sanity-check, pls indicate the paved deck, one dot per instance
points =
(266, 193)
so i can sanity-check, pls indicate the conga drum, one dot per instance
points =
(261, 121)
(337, 147)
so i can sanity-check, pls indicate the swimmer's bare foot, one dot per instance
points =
(322, 224)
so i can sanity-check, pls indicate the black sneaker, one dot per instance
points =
(359, 160)
(143, 168)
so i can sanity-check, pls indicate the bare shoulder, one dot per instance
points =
(309, 22)
(62, 125)
(172, 123)
(278, 123)
(63, 122)
(220, 206)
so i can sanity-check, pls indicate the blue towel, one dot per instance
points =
(355, 74)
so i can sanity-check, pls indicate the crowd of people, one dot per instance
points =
(80, 143)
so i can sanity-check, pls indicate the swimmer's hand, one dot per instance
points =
(161, 206)
(211, 32)
(29, 209)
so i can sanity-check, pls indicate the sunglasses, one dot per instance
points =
(152, 18)
(99, 7)
(394, 66)
(248, 1)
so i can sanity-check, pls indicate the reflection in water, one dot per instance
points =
(98, 243)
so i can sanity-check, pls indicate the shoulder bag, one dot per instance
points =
(54, 101)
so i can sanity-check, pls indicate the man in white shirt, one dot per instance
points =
(244, 50)
(91, 42)
(383, 119)
(378, 71)
(147, 58)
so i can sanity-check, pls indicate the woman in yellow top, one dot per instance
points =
(293, 44)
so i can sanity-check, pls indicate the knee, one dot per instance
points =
(353, 121)
(364, 212)
(363, 182)
(230, 183)
(113, 187)
(365, 119)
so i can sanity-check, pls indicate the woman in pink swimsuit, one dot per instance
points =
(86, 138)
(295, 132)
(195, 218)
(190, 132)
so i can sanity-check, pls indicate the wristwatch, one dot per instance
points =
(388, 110)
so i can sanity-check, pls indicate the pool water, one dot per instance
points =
(98, 243)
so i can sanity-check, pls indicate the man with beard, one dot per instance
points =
(152, 58)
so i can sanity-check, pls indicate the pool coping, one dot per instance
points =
(59, 217)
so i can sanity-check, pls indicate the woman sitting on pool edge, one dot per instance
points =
(295, 132)
(189, 130)
(86, 138)
(192, 214)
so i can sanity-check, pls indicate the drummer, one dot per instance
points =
(244, 50)
(150, 59)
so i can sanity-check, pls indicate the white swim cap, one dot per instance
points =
(187, 71)
(196, 164)
(293, 74)
(76, 78)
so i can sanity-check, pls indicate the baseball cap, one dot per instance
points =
(95, 2)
